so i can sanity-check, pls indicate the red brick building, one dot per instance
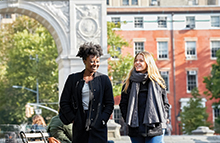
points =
(183, 40)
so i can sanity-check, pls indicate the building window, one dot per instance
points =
(107, 2)
(191, 80)
(118, 49)
(215, 46)
(191, 50)
(216, 113)
(116, 20)
(7, 15)
(125, 2)
(118, 119)
(211, 2)
(134, 2)
(139, 47)
(138, 22)
(194, 2)
(162, 22)
(117, 116)
(162, 50)
(165, 76)
(190, 22)
(215, 21)
(154, 3)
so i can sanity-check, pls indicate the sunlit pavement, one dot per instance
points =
(179, 139)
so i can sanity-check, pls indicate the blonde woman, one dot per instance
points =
(144, 104)
(38, 123)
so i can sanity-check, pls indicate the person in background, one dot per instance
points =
(144, 104)
(59, 131)
(38, 124)
(87, 98)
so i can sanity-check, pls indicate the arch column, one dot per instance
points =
(87, 24)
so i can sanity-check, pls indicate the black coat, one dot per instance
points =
(100, 107)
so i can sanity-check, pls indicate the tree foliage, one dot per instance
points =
(120, 65)
(194, 114)
(23, 38)
(213, 81)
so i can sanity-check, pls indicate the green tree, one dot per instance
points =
(194, 115)
(25, 37)
(119, 67)
(212, 83)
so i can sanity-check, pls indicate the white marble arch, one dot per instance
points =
(59, 17)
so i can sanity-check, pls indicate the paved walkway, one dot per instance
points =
(179, 139)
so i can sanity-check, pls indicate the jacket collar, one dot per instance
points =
(94, 75)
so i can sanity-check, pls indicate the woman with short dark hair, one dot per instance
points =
(87, 98)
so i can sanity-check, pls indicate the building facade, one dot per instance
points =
(183, 41)
(142, 3)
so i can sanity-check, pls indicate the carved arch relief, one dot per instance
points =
(60, 9)
(88, 25)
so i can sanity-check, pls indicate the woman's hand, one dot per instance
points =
(53, 140)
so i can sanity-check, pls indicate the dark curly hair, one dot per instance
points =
(88, 48)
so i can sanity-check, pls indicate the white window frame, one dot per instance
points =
(162, 21)
(191, 73)
(166, 75)
(211, 47)
(190, 22)
(138, 22)
(159, 50)
(137, 51)
(184, 101)
(213, 23)
(190, 56)
(113, 19)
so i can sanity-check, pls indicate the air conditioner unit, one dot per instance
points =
(190, 57)
(192, 72)
(154, 3)
(162, 18)
(164, 72)
(191, 26)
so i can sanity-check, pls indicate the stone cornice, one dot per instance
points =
(142, 10)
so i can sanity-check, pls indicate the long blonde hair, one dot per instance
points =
(39, 120)
(153, 72)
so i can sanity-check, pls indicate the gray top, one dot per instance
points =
(85, 96)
